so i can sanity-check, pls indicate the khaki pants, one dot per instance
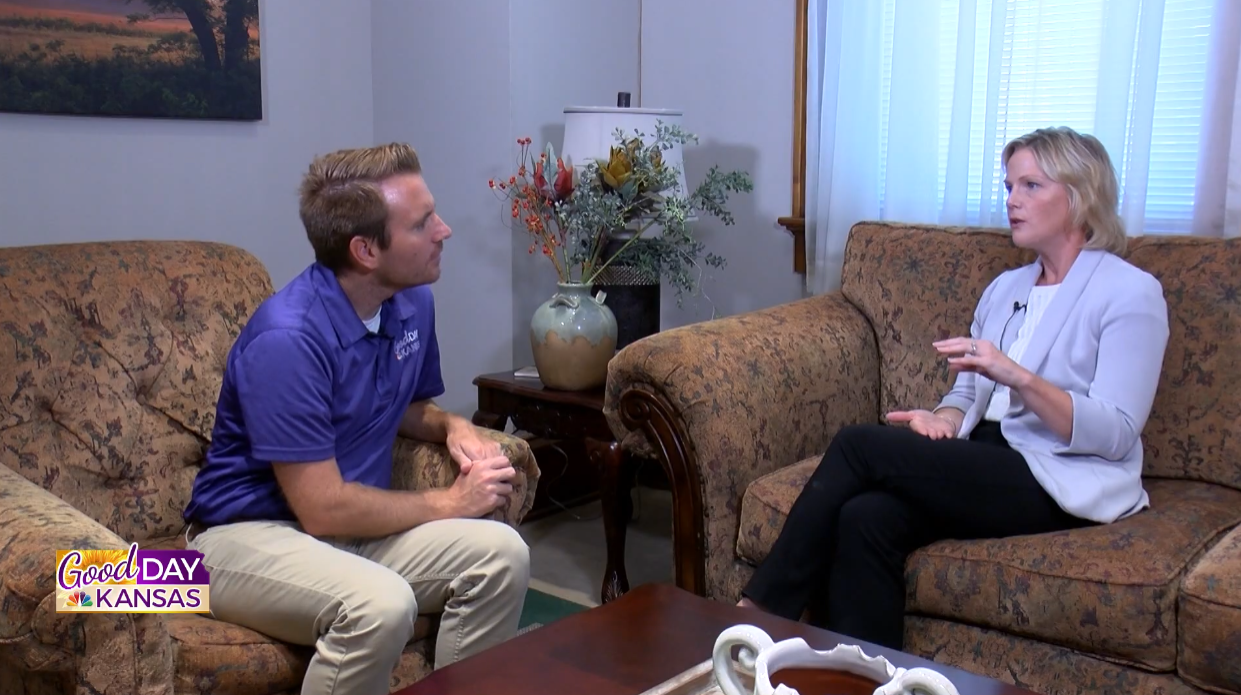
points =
(356, 600)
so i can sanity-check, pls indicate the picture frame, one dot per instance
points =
(180, 59)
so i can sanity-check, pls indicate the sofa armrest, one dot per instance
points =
(111, 653)
(1208, 617)
(723, 402)
(419, 465)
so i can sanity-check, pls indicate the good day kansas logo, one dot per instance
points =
(131, 581)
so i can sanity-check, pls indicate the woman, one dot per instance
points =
(1041, 431)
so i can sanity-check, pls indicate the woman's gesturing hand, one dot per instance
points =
(926, 423)
(982, 357)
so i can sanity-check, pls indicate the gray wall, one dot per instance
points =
(345, 74)
(593, 55)
(458, 120)
(65, 179)
(512, 68)
(728, 65)
(734, 81)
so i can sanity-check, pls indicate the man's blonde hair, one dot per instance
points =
(1081, 164)
(341, 198)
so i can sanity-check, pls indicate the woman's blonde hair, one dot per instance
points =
(1081, 164)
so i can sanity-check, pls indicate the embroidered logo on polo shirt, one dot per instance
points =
(407, 345)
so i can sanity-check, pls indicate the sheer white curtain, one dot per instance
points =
(910, 103)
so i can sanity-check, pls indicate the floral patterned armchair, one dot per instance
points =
(111, 358)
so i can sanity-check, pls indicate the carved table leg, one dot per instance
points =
(491, 421)
(616, 482)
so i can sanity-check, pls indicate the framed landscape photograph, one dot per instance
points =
(138, 58)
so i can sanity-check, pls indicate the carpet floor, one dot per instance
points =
(542, 607)
(567, 550)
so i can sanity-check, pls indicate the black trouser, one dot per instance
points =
(880, 493)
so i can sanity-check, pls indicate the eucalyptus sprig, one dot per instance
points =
(634, 190)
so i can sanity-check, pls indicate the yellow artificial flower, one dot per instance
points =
(617, 170)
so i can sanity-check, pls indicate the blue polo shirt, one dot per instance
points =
(305, 382)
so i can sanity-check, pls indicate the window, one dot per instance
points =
(1034, 63)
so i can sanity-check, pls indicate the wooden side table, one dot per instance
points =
(569, 415)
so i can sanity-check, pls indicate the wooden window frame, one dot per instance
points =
(796, 222)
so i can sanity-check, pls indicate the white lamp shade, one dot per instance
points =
(590, 134)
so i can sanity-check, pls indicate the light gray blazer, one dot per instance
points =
(1102, 339)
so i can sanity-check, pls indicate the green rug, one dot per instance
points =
(543, 608)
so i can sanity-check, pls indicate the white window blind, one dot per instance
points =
(1037, 63)
(1178, 116)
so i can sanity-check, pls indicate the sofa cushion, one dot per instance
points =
(213, 656)
(915, 285)
(766, 504)
(1109, 590)
(1035, 666)
(110, 364)
(218, 658)
(1209, 653)
(1193, 431)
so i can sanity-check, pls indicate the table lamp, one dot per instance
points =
(589, 135)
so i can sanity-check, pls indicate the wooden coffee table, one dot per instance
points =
(636, 642)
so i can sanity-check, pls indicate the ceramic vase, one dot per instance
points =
(573, 335)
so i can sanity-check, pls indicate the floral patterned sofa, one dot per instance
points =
(111, 357)
(740, 409)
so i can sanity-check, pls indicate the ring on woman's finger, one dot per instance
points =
(973, 348)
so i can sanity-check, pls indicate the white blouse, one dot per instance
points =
(1036, 304)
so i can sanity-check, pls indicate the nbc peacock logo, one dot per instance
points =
(131, 581)
(78, 599)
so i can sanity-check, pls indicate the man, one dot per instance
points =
(292, 512)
